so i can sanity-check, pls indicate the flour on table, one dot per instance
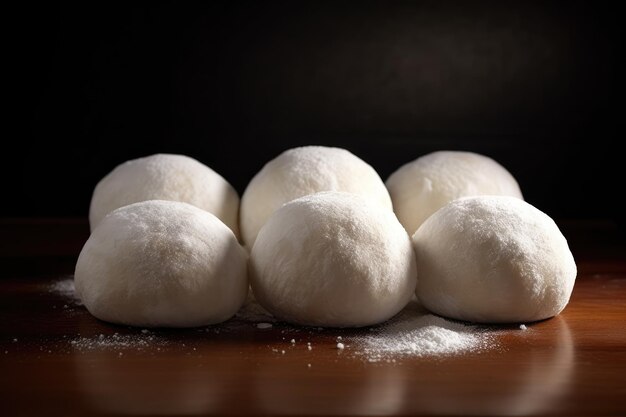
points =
(65, 288)
(415, 332)
(141, 341)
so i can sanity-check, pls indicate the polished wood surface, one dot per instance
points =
(573, 364)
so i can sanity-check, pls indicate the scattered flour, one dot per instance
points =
(65, 288)
(117, 341)
(415, 332)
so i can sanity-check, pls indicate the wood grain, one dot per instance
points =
(573, 364)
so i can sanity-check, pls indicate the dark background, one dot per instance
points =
(535, 85)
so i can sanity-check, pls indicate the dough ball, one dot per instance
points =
(493, 259)
(420, 188)
(302, 171)
(162, 263)
(165, 177)
(333, 259)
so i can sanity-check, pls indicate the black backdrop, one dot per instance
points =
(535, 85)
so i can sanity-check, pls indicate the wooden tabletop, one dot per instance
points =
(56, 359)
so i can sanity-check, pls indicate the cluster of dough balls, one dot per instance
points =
(158, 257)
(326, 248)
(483, 254)
(324, 245)
(163, 249)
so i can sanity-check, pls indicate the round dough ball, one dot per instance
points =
(333, 259)
(162, 264)
(165, 177)
(493, 259)
(423, 186)
(302, 171)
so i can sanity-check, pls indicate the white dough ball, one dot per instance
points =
(302, 171)
(333, 259)
(493, 259)
(423, 186)
(165, 177)
(162, 263)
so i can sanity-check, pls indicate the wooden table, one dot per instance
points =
(574, 364)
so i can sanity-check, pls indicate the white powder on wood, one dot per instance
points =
(117, 341)
(65, 288)
(415, 332)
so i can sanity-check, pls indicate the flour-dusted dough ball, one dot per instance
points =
(493, 259)
(333, 259)
(162, 264)
(423, 186)
(165, 177)
(302, 171)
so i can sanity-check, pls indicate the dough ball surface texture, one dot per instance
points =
(165, 177)
(493, 259)
(302, 171)
(423, 186)
(333, 259)
(162, 264)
